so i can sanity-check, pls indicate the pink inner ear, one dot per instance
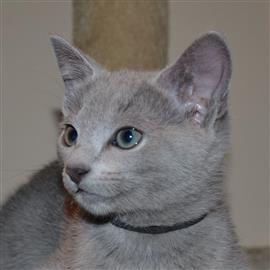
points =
(206, 84)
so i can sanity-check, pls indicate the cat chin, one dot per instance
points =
(93, 204)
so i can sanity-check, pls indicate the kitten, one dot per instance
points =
(141, 156)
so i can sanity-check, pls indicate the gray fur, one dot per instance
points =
(30, 221)
(174, 175)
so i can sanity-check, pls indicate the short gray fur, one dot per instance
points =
(174, 175)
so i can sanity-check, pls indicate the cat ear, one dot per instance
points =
(76, 69)
(199, 79)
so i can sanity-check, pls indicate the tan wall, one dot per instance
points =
(32, 88)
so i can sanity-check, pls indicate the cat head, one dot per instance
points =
(145, 141)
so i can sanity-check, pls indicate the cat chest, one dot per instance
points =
(132, 251)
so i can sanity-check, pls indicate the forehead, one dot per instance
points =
(129, 97)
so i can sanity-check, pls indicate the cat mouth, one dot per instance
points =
(92, 195)
(87, 193)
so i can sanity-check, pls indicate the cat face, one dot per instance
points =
(144, 141)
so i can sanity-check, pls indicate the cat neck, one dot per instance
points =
(95, 240)
(172, 218)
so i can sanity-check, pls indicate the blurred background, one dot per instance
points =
(137, 34)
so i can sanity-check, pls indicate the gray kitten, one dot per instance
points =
(141, 156)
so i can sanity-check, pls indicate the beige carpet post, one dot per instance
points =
(122, 33)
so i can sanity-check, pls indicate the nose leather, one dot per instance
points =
(76, 173)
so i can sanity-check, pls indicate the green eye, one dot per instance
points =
(70, 136)
(127, 138)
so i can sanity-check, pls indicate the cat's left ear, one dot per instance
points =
(76, 69)
(199, 79)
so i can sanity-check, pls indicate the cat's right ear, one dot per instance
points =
(199, 79)
(76, 69)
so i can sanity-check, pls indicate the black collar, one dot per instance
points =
(157, 229)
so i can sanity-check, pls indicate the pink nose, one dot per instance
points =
(76, 173)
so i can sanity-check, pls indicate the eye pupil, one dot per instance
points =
(72, 135)
(127, 136)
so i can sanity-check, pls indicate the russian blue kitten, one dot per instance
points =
(141, 157)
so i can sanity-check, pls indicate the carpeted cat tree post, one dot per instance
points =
(122, 33)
